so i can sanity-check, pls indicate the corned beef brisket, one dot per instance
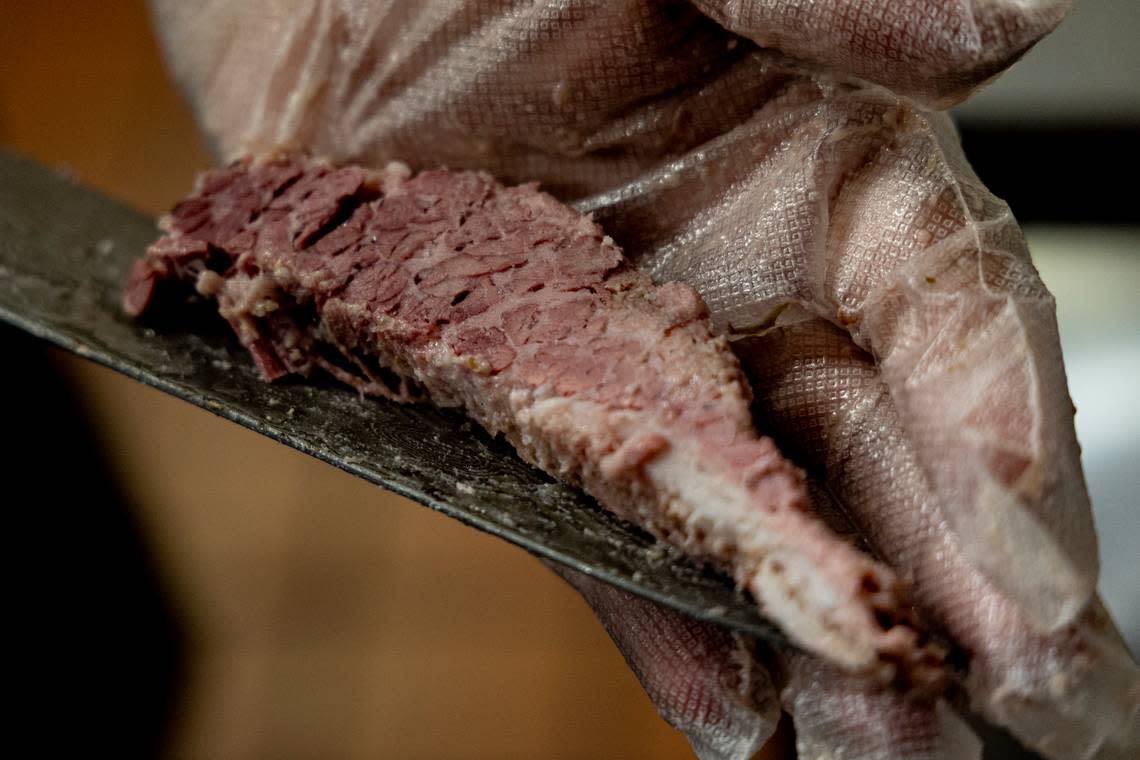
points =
(448, 287)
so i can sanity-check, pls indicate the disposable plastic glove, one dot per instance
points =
(777, 156)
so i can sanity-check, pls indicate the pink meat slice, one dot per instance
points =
(503, 302)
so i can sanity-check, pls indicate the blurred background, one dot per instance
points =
(194, 590)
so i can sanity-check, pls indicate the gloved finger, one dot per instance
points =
(863, 211)
(931, 50)
(839, 716)
(1070, 693)
(579, 95)
(704, 680)
(966, 338)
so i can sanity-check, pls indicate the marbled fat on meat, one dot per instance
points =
(449, 287)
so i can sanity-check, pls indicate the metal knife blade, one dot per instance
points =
(64, 252)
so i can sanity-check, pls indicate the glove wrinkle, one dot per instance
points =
(934, 52)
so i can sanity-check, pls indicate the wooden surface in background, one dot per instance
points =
(327, 617)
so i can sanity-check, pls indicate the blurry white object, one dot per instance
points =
(1086, 71)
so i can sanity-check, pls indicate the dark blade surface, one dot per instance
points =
(64, 252)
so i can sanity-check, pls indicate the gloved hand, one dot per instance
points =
(778, 157)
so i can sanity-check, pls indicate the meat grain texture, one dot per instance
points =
(449, 287)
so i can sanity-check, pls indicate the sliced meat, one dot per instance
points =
(501, 301)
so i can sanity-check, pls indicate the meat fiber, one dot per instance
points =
(501, 301)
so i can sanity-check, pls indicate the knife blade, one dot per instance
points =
(64, 253)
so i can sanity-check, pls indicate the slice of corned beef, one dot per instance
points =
(449, 287)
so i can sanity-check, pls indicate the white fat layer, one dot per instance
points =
(784, 580)
(770, 561)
